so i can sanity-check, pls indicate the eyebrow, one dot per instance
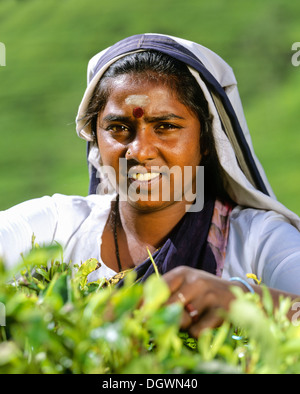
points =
(171, 116)
(149, 119)
(113, 117)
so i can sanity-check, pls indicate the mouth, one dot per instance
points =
(144, 177)
(141, 176)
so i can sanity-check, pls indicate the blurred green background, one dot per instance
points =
(49, 42)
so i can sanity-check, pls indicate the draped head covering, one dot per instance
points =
(245, 179)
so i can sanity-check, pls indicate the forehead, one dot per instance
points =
(153, 95)
(126, 90)
(138, 83)
(137, 99)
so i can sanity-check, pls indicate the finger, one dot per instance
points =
(200, 308)
(174, 278)
(190, 315)
(186, 293)
(211, 319)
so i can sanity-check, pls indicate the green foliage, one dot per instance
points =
(58, 322)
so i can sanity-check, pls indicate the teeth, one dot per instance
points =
(145, 177)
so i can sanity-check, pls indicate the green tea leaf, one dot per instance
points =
(156, 293)
(85, 269)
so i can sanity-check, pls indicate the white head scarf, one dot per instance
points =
(240, 187)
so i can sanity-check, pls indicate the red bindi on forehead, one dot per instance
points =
(138, 112)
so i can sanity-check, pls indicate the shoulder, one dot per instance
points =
(73, 211)
(264, 243)
(255, 228)
(250, 219)
(264, 233)
(58, 205)
(82, 203)
(250, 229)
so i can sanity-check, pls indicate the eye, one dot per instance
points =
(165, 127)
(116, 128)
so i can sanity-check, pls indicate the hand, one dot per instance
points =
(204, 295)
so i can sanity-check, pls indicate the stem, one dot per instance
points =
(3, 333)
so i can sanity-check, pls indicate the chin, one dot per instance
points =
(151, 206)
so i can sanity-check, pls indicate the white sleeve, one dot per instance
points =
(266, 244)
(19, 223)
(277, 257)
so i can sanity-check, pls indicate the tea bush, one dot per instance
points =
(56, 322)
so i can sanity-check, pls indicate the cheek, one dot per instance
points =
(110, 160)
(107, 146)
(198, 155)
(196, 148)
(102, 146)
(190, 152)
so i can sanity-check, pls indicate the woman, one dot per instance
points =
(155, 107)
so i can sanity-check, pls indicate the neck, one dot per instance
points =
(150, 227)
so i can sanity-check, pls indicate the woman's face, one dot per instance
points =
(156, 136)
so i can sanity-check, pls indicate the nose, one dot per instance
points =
(142, 148)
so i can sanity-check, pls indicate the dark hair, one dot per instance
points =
(161, 68)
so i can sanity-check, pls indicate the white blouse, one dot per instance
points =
(260, 242)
